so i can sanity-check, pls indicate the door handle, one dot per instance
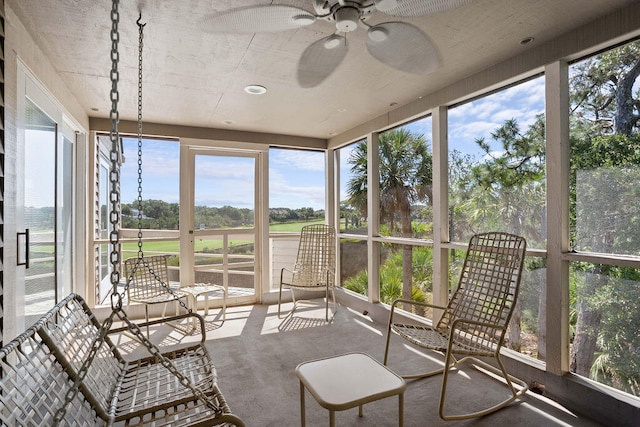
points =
(25, 239)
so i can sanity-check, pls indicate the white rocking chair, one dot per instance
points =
(474, 323)
(315, 265)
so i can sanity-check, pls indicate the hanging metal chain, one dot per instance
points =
(116, 298)
(114, 217)
(114, 176)
(140, 37)
(139, 201)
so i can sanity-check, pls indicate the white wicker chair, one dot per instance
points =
(474, 322)
(315, 265)
(148, 283)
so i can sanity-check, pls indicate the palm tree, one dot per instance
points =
(405, 179)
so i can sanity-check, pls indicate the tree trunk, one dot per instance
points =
(407, 253)
(587, 326)
(542, 321)
(514, 328)
(625, 119)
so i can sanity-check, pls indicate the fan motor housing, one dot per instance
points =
(347, 18)
(346, 14)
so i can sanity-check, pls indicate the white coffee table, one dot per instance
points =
(346, 381)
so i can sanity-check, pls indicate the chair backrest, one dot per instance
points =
(316, 259)
(40, 366)
(488, 287)
(147, 277)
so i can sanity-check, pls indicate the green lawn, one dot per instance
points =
(130, 249)
(291, 227)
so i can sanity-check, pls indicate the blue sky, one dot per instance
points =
(296, 178)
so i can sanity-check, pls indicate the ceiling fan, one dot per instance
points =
(397, 44)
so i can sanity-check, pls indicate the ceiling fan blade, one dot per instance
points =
(256, 19)
(417, 7)
(320, 59)
(403, 47)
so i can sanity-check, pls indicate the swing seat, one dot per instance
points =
(40, 366)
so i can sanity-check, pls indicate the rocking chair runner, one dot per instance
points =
(474, 322)
(315, 265)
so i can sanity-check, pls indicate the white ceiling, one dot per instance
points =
(196, 79)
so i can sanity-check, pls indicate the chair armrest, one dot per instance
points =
(282, 274)
(412, 302)
(167, 320)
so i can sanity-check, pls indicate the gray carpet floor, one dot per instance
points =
(256, 354)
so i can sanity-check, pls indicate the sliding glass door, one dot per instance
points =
(44, 205)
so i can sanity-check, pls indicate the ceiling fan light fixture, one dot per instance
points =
(347, 19)
(385, 5)
(255, 89)
(377, 34)
(303, 20)
(332, 42)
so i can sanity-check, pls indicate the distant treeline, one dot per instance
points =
(157, 214)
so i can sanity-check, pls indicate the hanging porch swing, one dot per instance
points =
(65, 369)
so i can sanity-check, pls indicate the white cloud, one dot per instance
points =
(298, 159)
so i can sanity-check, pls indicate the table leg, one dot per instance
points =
(302, 414)
(401, 410)
(360, 411)
(332, 418)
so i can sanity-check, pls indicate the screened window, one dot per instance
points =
(604, 216)
(497, 164)
(296, 189)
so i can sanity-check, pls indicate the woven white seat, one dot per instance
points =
(315, 265)
(41, 367)
(474, 323)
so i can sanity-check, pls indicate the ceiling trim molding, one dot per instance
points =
(177, 131)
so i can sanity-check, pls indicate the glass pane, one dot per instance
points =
(103, 250)
(224, 192)
(353, 265)
(605, 302)
(65, 216)
(406, 181)
(604, 213)
(353, 188)
(39, 212)
(497, 164)
(157, 213)
(224, 235)
(160, 185)
(526, 330)
(605, 161)
(226, 260)
(296, 189)
(407, 272)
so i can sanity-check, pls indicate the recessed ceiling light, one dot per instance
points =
(526, 40)
(255, 89)
(331, 133)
